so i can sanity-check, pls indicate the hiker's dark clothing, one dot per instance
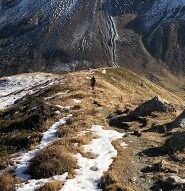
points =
(93, 82)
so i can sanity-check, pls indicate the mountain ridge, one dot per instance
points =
(72, 35)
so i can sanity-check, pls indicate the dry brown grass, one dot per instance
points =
(77, 107)
(7, 182)
(81, 120)
(109, 182)
(74, 142)
(114, 90)
(88, 155)
(118, 187)
(51, 186)
(57, 158)
(118, 108)
(116, 178)
(21, 125)
(83, 139)
(64, 131)
(54, 160)
(78, 95)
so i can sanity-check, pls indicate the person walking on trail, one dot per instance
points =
(93, 82)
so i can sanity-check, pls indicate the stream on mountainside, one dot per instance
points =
(112, 30)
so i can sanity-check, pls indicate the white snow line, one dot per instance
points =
(77, 101)
(23, 161)
(64, 108)
(33, 184)
(91, 170)
(57, 112)
(55, 95)
(124, 145)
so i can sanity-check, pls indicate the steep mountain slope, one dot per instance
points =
(68, 35)
(49, 35)
(162, 25)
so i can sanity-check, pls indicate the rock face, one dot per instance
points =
(174, 182)
(179, 122)
(153, 105)
(176, 143)
(167, 167)
(65, 35)
(163, 27)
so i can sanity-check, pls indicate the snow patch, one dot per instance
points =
(104, 71)
(124, 145)
(15, 87)
(57, 112)
(33, 184)
(23, 161)
(91, 170)
(77, 101)
(59, 94)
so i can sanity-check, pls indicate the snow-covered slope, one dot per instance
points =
(162, 11)
(15, 87)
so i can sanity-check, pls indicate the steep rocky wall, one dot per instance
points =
(67, 35)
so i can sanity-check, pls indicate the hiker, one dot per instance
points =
(93, 82)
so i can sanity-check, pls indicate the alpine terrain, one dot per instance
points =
(92, 95)
(56, 134)
(68, 35)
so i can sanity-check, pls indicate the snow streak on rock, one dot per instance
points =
(160, 12)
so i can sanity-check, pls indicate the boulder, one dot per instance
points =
(175, 180)
(179, 122)
(170, 182)
(154, 105)
(176, 142)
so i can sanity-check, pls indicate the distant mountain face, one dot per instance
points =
(67, 35)
(162, 26)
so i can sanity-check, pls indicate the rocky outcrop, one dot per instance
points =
(168, 167)
(125, 120)
(179, 122)
(176, 143)
(154, 105)
(162, 25)
(173, 182)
